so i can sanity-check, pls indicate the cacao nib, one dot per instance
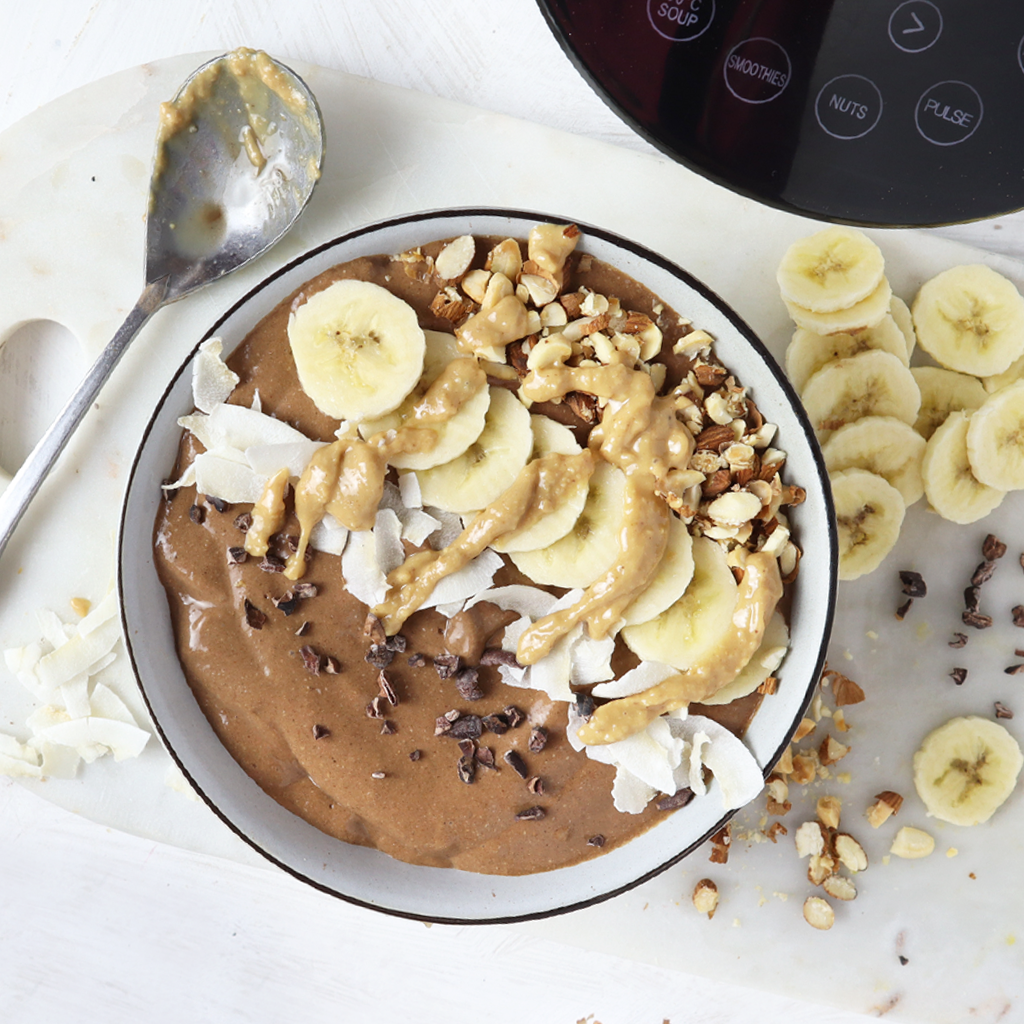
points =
(417, 660)
(310, 659)
(415, 755)
(466, 680)
(972, 598)
(320, 732)
(1018, 615)
(468, 748)
(379, 656)
(515, 761)
(253, 616)
(304, 591)
(442, 726)
(958, 675)
(597, 841)
(584, 705)
(983, 573)
(396, 643)
(515, 716)
(197, 514)
(913, 583)
(304, 628)
(466, 727)
(446, 665)
(1014, 670)
(992, 548)
(373, 709)
(535, 784)
(679, 799)
(271, 563)
(496, 656)
(286, 604)
(497, 723)
(1002, 711)
(530, 814)
(538, 739)
(466, 769)
(485, 757)
(959, 640)
(901, 612)
(387, 688)
(218, 503)
(976, 619)
(236, 556)
(243, 522)
(331, 665)
(373, 629)
(388, 728)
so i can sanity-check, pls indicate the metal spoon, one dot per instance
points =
(238, 155)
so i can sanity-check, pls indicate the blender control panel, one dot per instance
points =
(885, 112)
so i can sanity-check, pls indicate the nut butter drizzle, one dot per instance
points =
(759, 592)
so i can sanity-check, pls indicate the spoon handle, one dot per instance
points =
(22, 488)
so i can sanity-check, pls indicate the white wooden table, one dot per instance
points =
(96, 925)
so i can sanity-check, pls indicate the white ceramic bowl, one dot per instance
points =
(366, 876)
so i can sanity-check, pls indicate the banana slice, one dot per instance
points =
(995, 439)
(830, 270)
(358, 349)
(942, 392)
(766, 659)
(883, 445)
(809, 352)
(866, 313)
(950, 486)
(591, 547)
(970, 319)
(549, 438)
(1008, 376)
(900, 312)
(966, 769)
(454, 435)
(869, 514)
(873, 383)
(489, 465)
(669, 583)
(690, 630)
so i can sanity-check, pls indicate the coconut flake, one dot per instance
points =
(74, 694)
(553, 672)
(78, 655)
(736, 771)
(636, 680)
(409, 487)
(57, 762)
(518, 597)
(226, 478)
(123, 740)
(467, 581)
(212, 381)
(387, 539)
(630, 795)
(267, 459)
(417, 526)
(361, 571)
(329, 535)
(106, 610)
(451, 527)
(591, 660)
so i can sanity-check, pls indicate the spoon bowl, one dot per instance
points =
(238, 154)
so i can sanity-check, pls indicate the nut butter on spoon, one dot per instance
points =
(238, 153)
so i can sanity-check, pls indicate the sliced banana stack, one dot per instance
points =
(591, 546)
(809, 352)
(883, 445)
(834, 282)
(489, 465)
(995, 439)
(950, 484)
(966, 769)
(872, 383)
(942, 392)
(455, 434)
(358, 349)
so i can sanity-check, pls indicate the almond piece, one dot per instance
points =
(720, 842)
(705, 897)
(811, 839)
(844, 691)
(819, 868)
(912, 843)
(778, 788)
(831, 750)
(804, 769)
(784, 766)
(840, 887)
(828, 810)
(885, 806)
(805, 728)
(454, 259)
(818, 913)
(850, 853)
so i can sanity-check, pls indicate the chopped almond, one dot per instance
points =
(885, 806)
(831, 750)
(828, 810)
(818, 913)
(705, 897)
